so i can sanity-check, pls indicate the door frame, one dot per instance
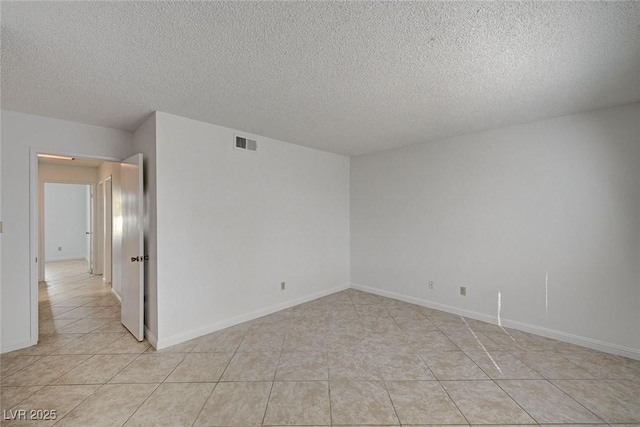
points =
(106, 225)
(33, 226)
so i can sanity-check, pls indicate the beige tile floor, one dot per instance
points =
(351, 358)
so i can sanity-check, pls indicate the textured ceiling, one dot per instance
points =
(350, 78)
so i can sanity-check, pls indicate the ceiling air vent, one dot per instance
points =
(246, 144)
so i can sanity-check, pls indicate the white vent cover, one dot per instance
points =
(246, 144)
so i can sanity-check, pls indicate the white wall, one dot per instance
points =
(20, 132)
(144, 141)
(65, 222)
(232, 225)
(501, 210)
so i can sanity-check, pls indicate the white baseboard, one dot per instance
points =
(525, 327)
(195, 333)
(117, 295)
(153, 340)
(15, 346)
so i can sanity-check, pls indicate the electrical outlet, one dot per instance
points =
(59, 248)
(282, 285)
(431, 284)
(463, 291)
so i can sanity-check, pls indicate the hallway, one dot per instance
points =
(72, 301)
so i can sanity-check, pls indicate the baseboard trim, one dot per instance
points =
(16, 346)
(521, 326)
(195, 333)
(153, 340)
(117, 295)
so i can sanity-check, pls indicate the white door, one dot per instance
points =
(132, 203)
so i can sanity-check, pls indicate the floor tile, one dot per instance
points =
(502, 365)
(200, 367)
(11, 364)
(148, 368)
(353, 366)
(472, 340)
(83, 326)
(367, 351)
(112, 312)
(430, 341)
(127, 343)
(221, 341)
(172, 405)
(552, 365)
(402, 366)
(338, 341)
(361, 402)
(546, 403)
(251, 367)
(453, 365)
(302, 366)
(48, 344)
(62, 399)
(11, 396)
(262, 342)
(483, 402)
(113, 325)
(98, 369)
(90, 343)
(296, 341)
(299, 403)
(423, 402)
(79, 312)
(236, 404)
(54, 326)
(605, 366)
(44, 371)
(615, 401)
(109, 406)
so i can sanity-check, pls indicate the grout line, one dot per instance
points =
(454, 402)
(384, 384)
(272, 382)
(143, 402)
(331, 322)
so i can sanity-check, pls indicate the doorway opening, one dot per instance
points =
(113, 226)
(74, 241)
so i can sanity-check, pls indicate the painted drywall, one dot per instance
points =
(56, 173)
(144, 141)
(66, 222)
(232, 225)
(20, 132)
(546, 213)
(113, 274)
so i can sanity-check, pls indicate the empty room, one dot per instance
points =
(225, 213)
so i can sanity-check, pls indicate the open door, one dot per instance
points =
(132, 292)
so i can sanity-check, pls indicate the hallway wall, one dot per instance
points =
(66, 222)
